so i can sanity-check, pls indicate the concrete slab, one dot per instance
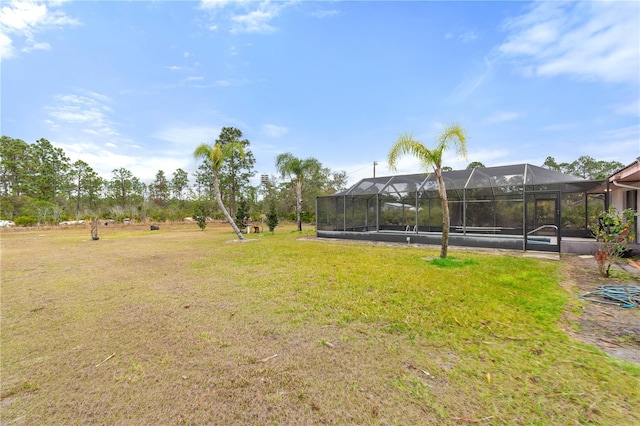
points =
(542, 255)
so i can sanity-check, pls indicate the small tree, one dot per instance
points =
(453, 135)
(242, 214)
(300, 171)
(272, 217)
(216, 154)
(614, 231)
(200, 215)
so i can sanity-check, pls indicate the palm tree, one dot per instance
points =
(217, 153)
(299, 170)
(453, 134)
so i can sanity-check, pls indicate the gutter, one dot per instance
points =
(622, 185)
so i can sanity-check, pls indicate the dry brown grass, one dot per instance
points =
(181, 326)
(188, 346)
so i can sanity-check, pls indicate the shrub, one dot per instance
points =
(272, 217)
(602, 259)
(159, 215)
(242, 214)
(200, 214)
(615, 232)
(25, 221)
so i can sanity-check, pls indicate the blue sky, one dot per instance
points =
(140, 84)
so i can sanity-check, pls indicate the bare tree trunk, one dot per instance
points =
(299, 203)
(442, 193)
(94, 228)
(216, 188)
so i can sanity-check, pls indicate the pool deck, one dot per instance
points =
(498, 241)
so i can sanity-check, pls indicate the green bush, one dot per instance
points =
(25, 221)
(242, 214)
(614, 231)
(272, 218)
(159, 216)
(200, 214)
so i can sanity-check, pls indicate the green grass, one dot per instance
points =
(286, 329)
(452, 262)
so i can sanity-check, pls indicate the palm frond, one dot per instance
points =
(217, 156)
(456, 135)
(406, 145)
(214, 153)
(288, 165)
(202, 151)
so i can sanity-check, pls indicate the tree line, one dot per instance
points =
(585, 167)
(40, 185)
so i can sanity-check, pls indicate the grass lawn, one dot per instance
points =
(180, 326)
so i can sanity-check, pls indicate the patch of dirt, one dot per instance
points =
(613, 329)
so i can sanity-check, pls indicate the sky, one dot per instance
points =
(139, 84)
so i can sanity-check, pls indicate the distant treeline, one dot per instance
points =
(39, 184)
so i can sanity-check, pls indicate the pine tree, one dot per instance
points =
(272, 217)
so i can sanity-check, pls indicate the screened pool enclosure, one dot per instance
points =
(521, 207)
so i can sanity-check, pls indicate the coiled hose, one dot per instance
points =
(623, 296)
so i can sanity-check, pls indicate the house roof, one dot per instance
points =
(482, 177)
(630, 173)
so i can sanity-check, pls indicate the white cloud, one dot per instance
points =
(74, 114)
(504, 116)
(212, 4)
(404, 165)
(630, 108)
(468, 36)
(325, 13)
(21, 20)
(218, 83)
(464, 37)
(472, 81)
(98, 96)
(624, 139)
(591, 40)
(22, 15)
(623, 133)
(560, 127)
(6, 47)
(409, 164)
(37, 46)
(103, 158)
(89, 110)
(256, 21)
(106, 155)
(243, 16)
(274, 131)
(488, 157)
(187, 134)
